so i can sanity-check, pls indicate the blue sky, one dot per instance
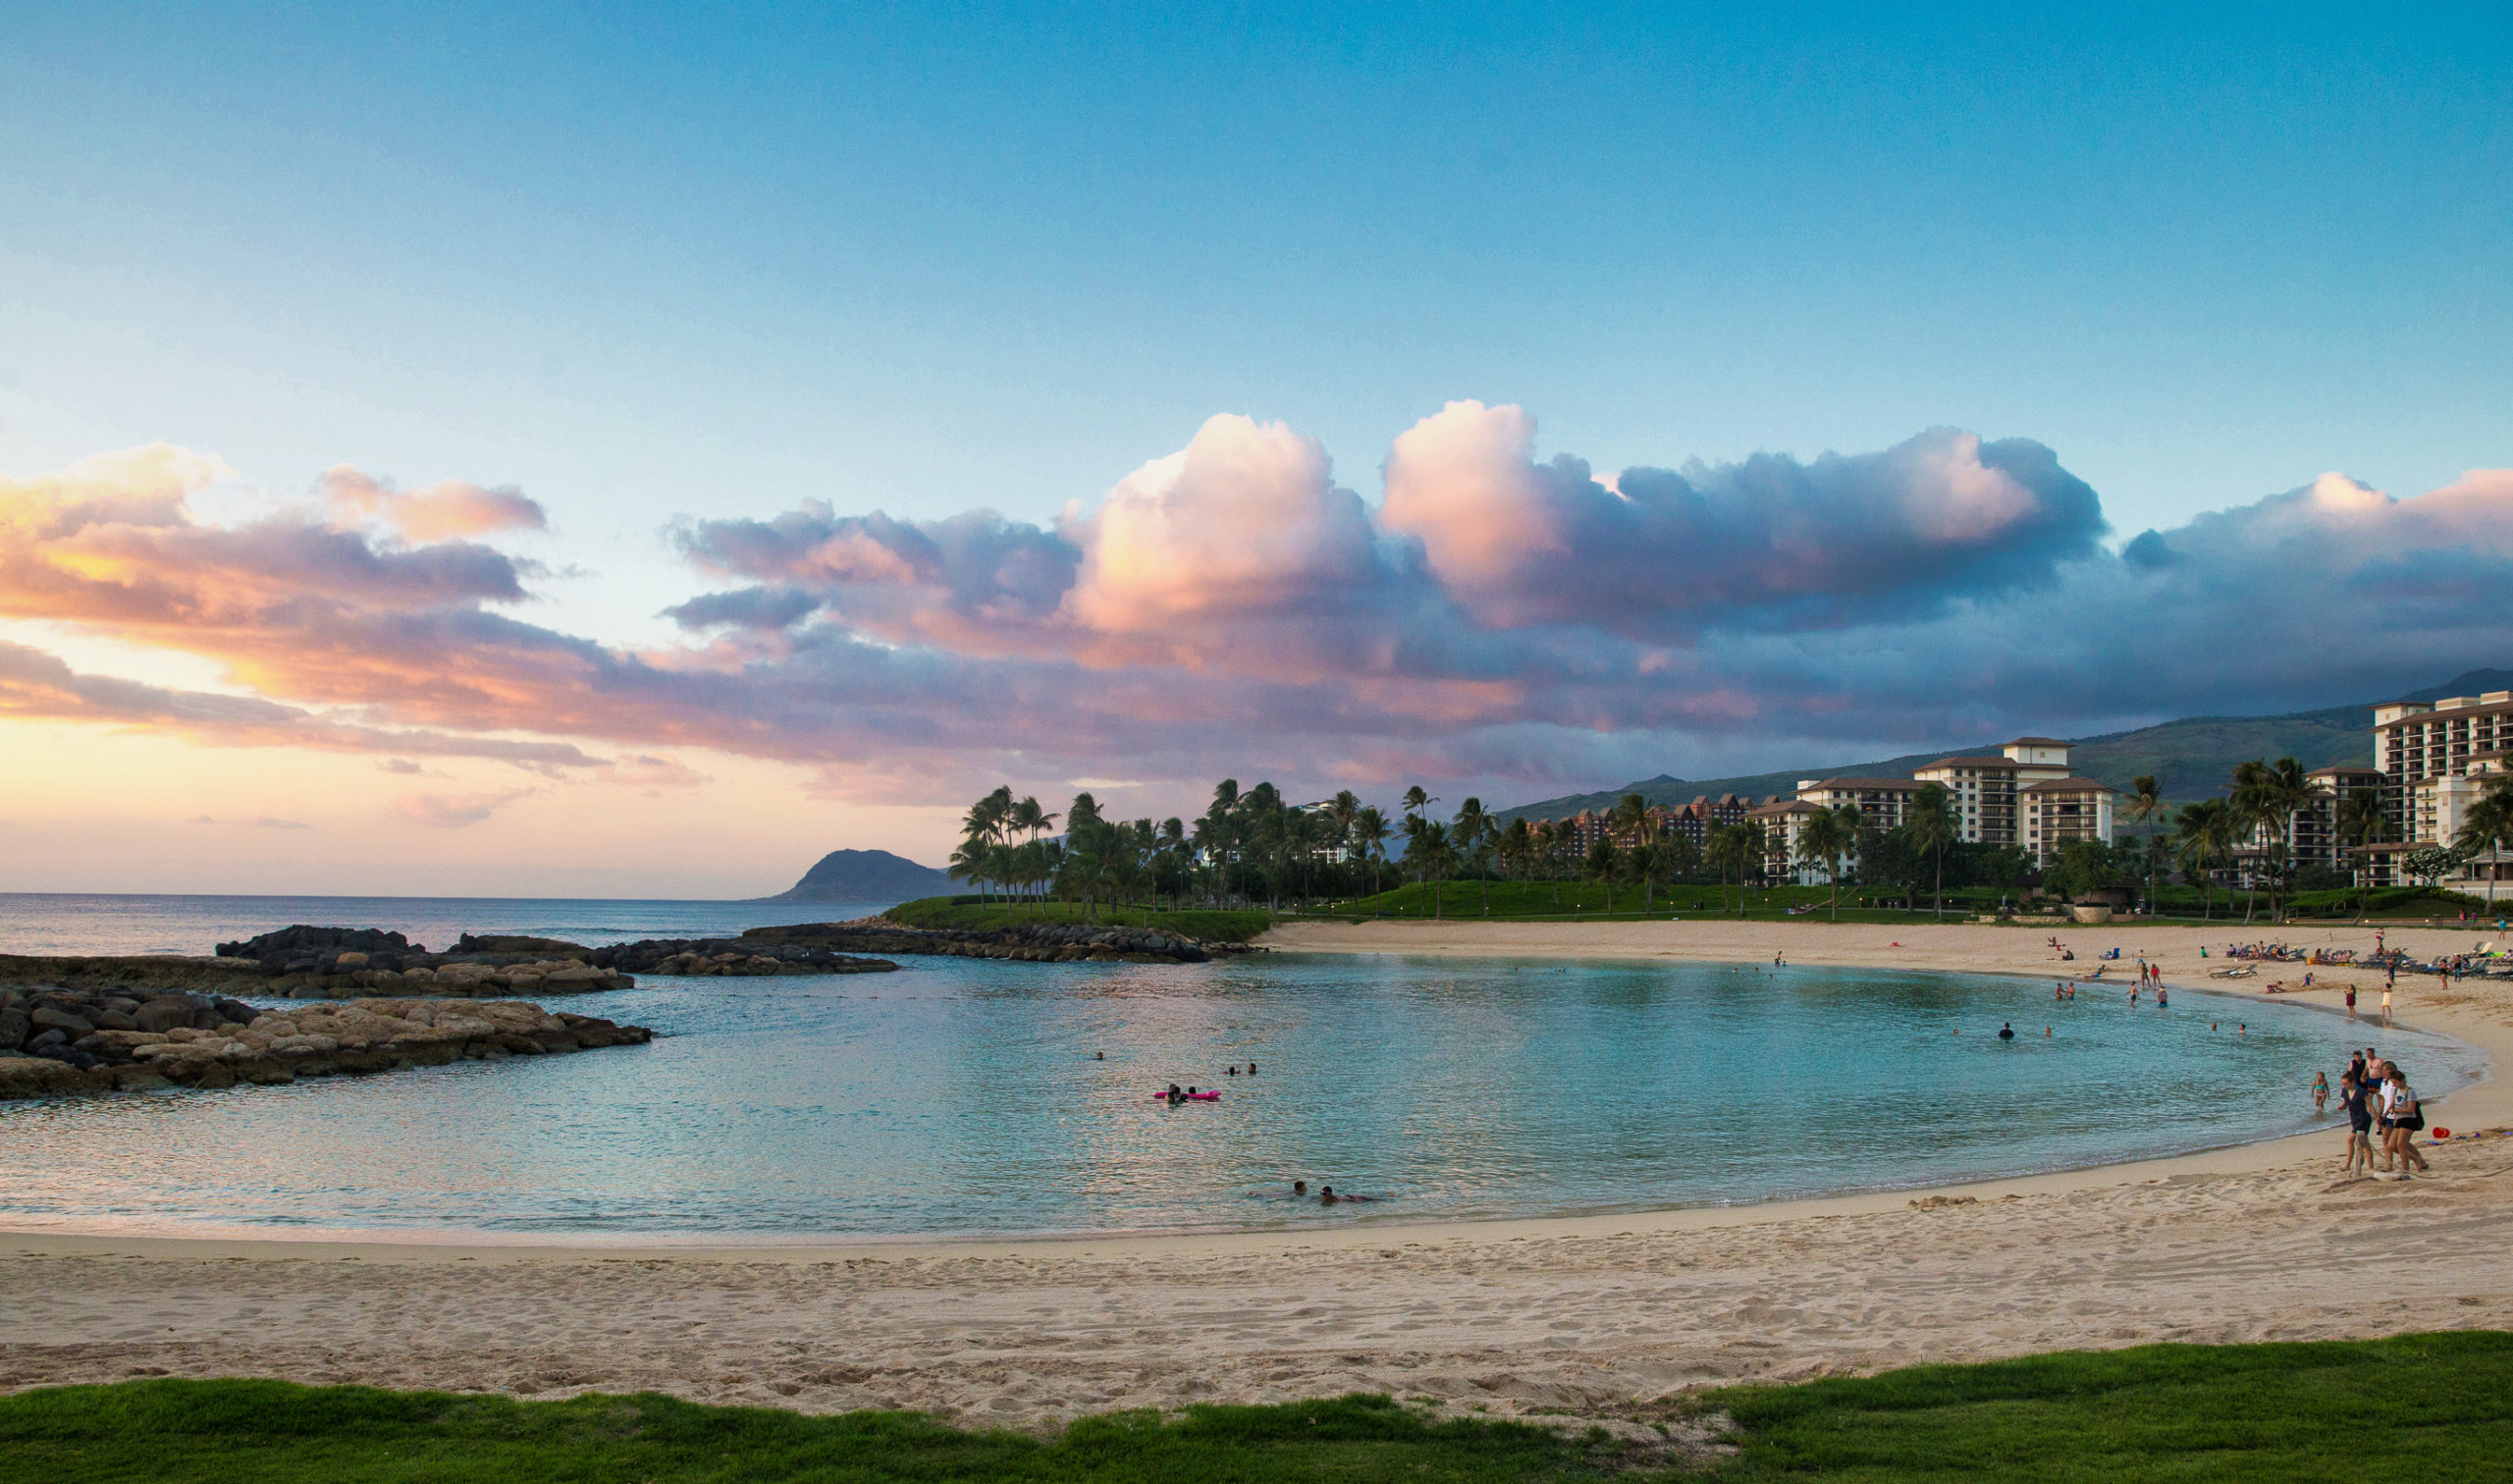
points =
(936, 256)
(703, 284)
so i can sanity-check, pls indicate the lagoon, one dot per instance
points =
(972, 1097)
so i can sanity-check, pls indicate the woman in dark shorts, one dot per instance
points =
(2359, 1125)
(2402, 1118)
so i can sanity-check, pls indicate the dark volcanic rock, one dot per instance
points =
(302, 941)
(216, 1043)
(733, 956)
(1029, 942)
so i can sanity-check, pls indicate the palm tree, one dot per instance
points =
(2487, 827)
(1931, 827)
(1603, 861)
(1548, 849)
(1370, 830)
(1757, 849)
(2280, 790)
(1633, 820)
(2362, 820)
(1471, 837)
(2143, 803)
(1726, 847)
(1825, 839)
(1429, 851)
(2203, 835)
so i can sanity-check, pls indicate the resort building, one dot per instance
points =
(1989, 791)
(2060, 811)
(2436, 759)
(1783, 822)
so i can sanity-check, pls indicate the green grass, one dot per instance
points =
(2423, 1407)
(2417, 1408)
(971, 914)
(245, 1432)
(1585, 901)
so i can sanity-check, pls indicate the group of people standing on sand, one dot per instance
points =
(2377, 1096)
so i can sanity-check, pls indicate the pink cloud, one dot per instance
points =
(439, 512)
(1229, 608)
(452, 810)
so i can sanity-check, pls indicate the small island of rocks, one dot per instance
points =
(59, 1042)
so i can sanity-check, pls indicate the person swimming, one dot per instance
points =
(2006, 1031)
(1174, 1096)
(1300, 1186)
(1325, 1195)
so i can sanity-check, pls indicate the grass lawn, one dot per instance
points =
(950, 912)
(2423, 1407)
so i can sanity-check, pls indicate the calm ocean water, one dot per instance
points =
(33, 923)
(959, 1096)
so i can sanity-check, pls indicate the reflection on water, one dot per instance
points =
(969, 1096)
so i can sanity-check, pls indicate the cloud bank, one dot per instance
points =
(1232, 607)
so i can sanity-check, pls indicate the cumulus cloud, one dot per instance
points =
(1767, 542)
(446, 508)
(1231, 608)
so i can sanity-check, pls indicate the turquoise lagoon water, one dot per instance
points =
(971, 1097)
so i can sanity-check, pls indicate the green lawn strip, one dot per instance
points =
(244, 1432)
(2423, 1407)
(1236, 927)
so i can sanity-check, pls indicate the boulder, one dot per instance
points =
(47, 1018)
(164, 1012)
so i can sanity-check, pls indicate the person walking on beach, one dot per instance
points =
(2360, 1124)
(2386, 1008)
(2401, 1120)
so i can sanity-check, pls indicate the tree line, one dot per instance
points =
(1253, 847)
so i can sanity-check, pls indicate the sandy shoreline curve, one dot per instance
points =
(1587, 1313)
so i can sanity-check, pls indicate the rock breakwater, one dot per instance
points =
(341, 963)
(1029, 942)
(60, 1041)
(733, 956)
(355, 963)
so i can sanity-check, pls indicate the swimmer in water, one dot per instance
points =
(1325, 1195)
(1300, 1186)
(2006, 1031)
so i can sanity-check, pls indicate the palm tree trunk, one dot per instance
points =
(1940, 883)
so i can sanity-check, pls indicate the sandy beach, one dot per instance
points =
(1594, 1316)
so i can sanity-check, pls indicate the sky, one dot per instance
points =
(630, 452)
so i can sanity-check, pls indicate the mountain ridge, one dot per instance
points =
(864, 875)
(2192, 756)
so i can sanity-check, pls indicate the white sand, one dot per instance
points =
(1591, 1315)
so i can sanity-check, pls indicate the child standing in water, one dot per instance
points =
(2320, 1091)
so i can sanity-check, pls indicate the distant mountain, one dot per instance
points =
(2192, 757)
(865, 876)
